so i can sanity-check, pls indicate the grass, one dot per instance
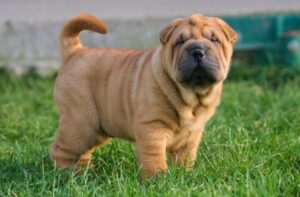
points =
(251, 147)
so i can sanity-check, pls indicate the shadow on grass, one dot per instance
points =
(18, 171)
(112, 162)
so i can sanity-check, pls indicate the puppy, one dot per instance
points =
(160, 99)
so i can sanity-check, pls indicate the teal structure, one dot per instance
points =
(275, 37)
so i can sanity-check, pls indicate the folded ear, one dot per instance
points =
(166, 33)
(228, 31)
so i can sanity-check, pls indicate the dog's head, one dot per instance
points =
(196, 51)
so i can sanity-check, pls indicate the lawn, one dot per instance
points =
(250, 148)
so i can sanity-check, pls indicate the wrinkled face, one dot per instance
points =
(197, 50)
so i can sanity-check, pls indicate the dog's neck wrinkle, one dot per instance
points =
(206, 100)
(194, 99)
(165, 83)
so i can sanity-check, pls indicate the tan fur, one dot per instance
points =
(69, 38)
(105, 93)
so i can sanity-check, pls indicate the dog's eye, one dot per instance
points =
(181, 41)
(214, 38)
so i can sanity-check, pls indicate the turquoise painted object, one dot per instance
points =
(277, 36)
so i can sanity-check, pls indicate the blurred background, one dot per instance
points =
(29, 29)
(250, 147)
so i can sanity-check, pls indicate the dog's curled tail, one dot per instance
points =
(69, 37)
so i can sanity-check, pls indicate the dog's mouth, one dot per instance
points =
(198, 73)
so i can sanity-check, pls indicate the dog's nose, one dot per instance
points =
(198, 53)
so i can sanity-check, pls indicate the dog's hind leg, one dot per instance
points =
(75, 141)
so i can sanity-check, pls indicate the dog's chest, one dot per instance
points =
(190, 125)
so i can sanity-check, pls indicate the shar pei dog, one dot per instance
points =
(160, 98)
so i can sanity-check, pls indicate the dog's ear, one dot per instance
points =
(228, 31)
(166, 33)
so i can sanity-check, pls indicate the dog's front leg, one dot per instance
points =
(151, 151)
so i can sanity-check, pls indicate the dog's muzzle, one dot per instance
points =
(196, 68)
